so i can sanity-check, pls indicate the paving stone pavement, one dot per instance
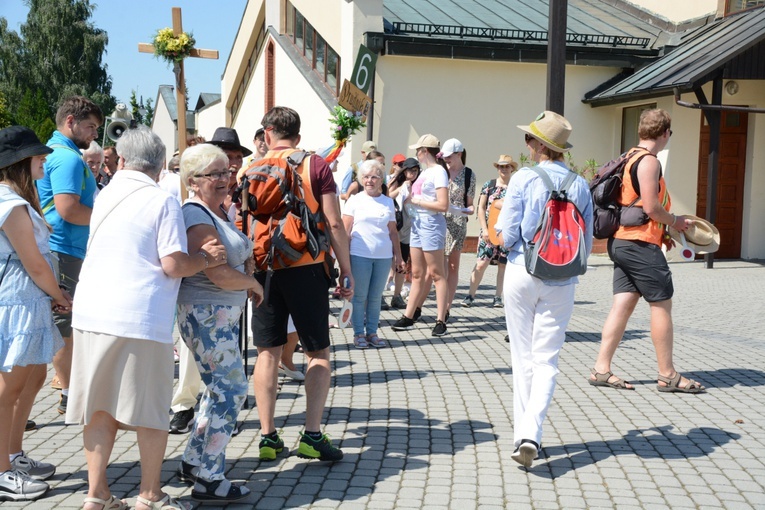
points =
(427, 422)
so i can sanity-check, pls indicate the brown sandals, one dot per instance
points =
(673, 385)
(602, 380)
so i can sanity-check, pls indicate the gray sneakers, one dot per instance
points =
(468, 301)
(19, 486)
(35, 469)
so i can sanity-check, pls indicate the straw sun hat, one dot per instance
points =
(701, 235)
(551, 129)
(505, 160)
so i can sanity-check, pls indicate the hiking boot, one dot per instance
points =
(269, 447)
(182, 421)
(18, 486)
(497, 302)
(62, 404)
(439, 329)
(384, 306)
(218, 490)
(187, 473)
(403, 324)
(321, 448)
(398, 303)
(35, 469)
(468, 301)
(417, 314)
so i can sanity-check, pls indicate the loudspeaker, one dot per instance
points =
(115, 129)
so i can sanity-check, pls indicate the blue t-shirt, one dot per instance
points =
(66, 172)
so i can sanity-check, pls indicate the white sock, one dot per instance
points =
(65, 392)
(13, 456)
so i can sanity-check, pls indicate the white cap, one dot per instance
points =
(451, 146)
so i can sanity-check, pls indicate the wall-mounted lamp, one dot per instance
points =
(731, 88)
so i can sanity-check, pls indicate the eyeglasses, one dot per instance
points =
(528, 138)
(217, 175)
(670, 132)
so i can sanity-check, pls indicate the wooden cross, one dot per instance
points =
(180, 88)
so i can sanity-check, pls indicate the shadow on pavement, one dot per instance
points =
(650, 443)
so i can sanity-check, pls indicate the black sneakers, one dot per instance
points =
(417, 314)
(320, 448)
(403, 324)
(182, 421)
(439, 329)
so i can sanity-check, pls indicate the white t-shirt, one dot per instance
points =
(370, 237)
(123, 290)
(426, 185)
(172, 184)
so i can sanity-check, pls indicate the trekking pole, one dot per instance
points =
(243, 322)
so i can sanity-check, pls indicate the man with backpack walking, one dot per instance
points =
(546, 218)
(640, 267)
(297, 287)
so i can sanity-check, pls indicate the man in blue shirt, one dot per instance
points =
(66, 195)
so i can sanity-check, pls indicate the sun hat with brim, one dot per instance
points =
(701, 235)
(18, 143)
(505, 160)
(428, 141)
(227, 138)
(551, 129)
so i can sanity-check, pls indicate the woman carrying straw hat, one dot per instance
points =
(537, 311)
(28, 287)
(492, 195)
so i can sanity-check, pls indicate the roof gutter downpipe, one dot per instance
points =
(714, 107)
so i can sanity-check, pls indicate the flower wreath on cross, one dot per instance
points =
(344, 125)
(172, 48)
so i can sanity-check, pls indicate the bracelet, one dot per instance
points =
(674, 220)
(204, 255)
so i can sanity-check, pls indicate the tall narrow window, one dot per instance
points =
(332, 70)
(270, 76)
(309, 43)
(299, 32)
(320, 49)
(630, 123)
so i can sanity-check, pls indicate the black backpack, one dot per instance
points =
(606, 188)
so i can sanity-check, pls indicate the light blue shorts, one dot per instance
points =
(428, 232)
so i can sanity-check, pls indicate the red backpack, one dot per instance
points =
(557, 251)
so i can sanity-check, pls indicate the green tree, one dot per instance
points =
(34, 113)
(135, 107)
(5, 114)
(149, 118)
(59, 47)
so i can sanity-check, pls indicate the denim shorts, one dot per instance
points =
(428, 232)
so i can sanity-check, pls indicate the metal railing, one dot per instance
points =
(504, 34)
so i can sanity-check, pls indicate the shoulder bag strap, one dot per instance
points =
(94, 228)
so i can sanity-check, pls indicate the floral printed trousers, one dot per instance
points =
(212, 334)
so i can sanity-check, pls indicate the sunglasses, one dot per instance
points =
(528, 138)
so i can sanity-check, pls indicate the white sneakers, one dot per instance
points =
(19, 486)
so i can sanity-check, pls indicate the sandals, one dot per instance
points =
(166, 503)
(602, 380)
(375, 341)
(360, 341)
(108, 504)
(673, 385)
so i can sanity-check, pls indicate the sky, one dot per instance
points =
(127, 23)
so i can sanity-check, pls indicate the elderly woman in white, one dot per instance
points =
(122, 366)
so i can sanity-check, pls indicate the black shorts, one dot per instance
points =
(405, 251)
(298, 291)
(69, 268)
(640, 267)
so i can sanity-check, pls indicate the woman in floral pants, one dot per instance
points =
(209, 306)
